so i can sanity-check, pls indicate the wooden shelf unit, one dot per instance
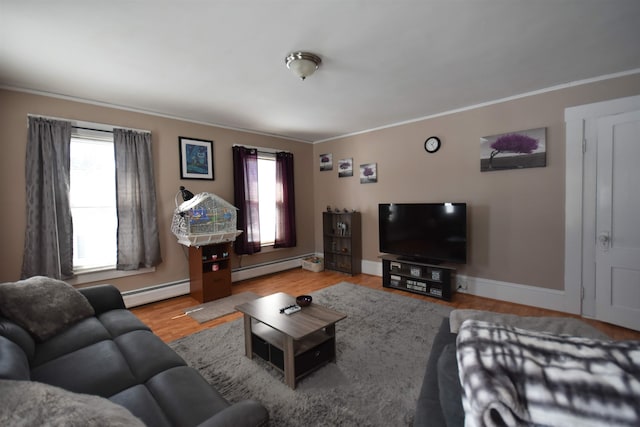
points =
(421, 278)
(342, 241)
(210, 271)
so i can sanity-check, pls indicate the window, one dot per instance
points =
(278, 196)
(267, 198)
(93, 201)
(104, 158)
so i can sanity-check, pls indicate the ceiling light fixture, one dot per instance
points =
(303, 64)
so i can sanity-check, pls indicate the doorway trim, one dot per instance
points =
(580, 139)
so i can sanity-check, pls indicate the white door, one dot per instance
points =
(617, 246)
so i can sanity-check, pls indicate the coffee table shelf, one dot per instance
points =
(277, 338)
(310, 353)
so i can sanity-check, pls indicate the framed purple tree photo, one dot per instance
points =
(368, 173)
(345, 168)
(514, 150)
(326, 162)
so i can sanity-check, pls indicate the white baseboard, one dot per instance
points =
(372, 267)
(551, 299)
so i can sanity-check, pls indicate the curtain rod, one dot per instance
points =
(79, 124)
(263, 150)
(92, 129)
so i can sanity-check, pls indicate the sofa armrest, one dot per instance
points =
(14, 364)
(429, 413)
(103, 298)
(247, 413)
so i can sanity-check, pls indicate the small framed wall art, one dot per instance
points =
(326, 162)
(368, 173)
(345, 168)
(196, 158)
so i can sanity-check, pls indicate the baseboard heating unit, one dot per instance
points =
(181, 287)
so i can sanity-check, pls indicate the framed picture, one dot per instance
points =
(514, 150)
(368, 173)
(326, 162)
(345, 168)
(196, 158)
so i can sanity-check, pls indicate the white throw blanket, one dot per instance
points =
(515, 377)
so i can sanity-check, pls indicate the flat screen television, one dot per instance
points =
(428, 232)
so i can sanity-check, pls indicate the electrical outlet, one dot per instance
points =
(461, 284)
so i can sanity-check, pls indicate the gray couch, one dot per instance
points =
(113, 355)
(440, 400)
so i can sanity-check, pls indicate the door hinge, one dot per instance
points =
(584, 145)
(581, 293)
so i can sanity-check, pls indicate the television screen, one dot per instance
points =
(428, 232)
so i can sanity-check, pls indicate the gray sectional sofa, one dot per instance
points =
(96, 358)
(440, 400)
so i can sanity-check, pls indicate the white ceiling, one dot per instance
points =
(384, 61)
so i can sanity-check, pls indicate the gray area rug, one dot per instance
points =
(218, 308)
(382, 351)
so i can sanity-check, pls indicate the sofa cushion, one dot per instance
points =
(185, 396)
(119, 322)
(245, 413)
(137, 346)
(43, 306)
(82, 334)
(29, 403)
(142, 404)
(97, 369)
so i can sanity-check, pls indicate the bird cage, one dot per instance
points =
(203, 220)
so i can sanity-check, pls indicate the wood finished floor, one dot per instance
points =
(160, 316)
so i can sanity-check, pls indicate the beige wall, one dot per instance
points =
(14, 107)
(516, 217)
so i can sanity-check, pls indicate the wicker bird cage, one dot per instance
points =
(203, 220)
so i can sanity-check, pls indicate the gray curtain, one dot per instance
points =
(138, 243)
(48, 246)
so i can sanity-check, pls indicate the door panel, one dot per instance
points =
(618, 220)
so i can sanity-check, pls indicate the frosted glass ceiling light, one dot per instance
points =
(303, 64)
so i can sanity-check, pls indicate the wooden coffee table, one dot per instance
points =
(297, 343)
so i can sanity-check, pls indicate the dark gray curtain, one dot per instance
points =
(285, 202)
(138, 243)
(48, 246)
(245, 192)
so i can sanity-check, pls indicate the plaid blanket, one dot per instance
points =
(515, 377)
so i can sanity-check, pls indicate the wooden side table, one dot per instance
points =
(210, 271)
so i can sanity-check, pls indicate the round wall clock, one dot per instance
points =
(432, 144)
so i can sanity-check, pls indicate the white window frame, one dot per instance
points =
(267, 197)
(98, 131)
(101, 141)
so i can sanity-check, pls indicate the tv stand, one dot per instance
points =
(418, 277)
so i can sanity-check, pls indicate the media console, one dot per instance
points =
(418, 277)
